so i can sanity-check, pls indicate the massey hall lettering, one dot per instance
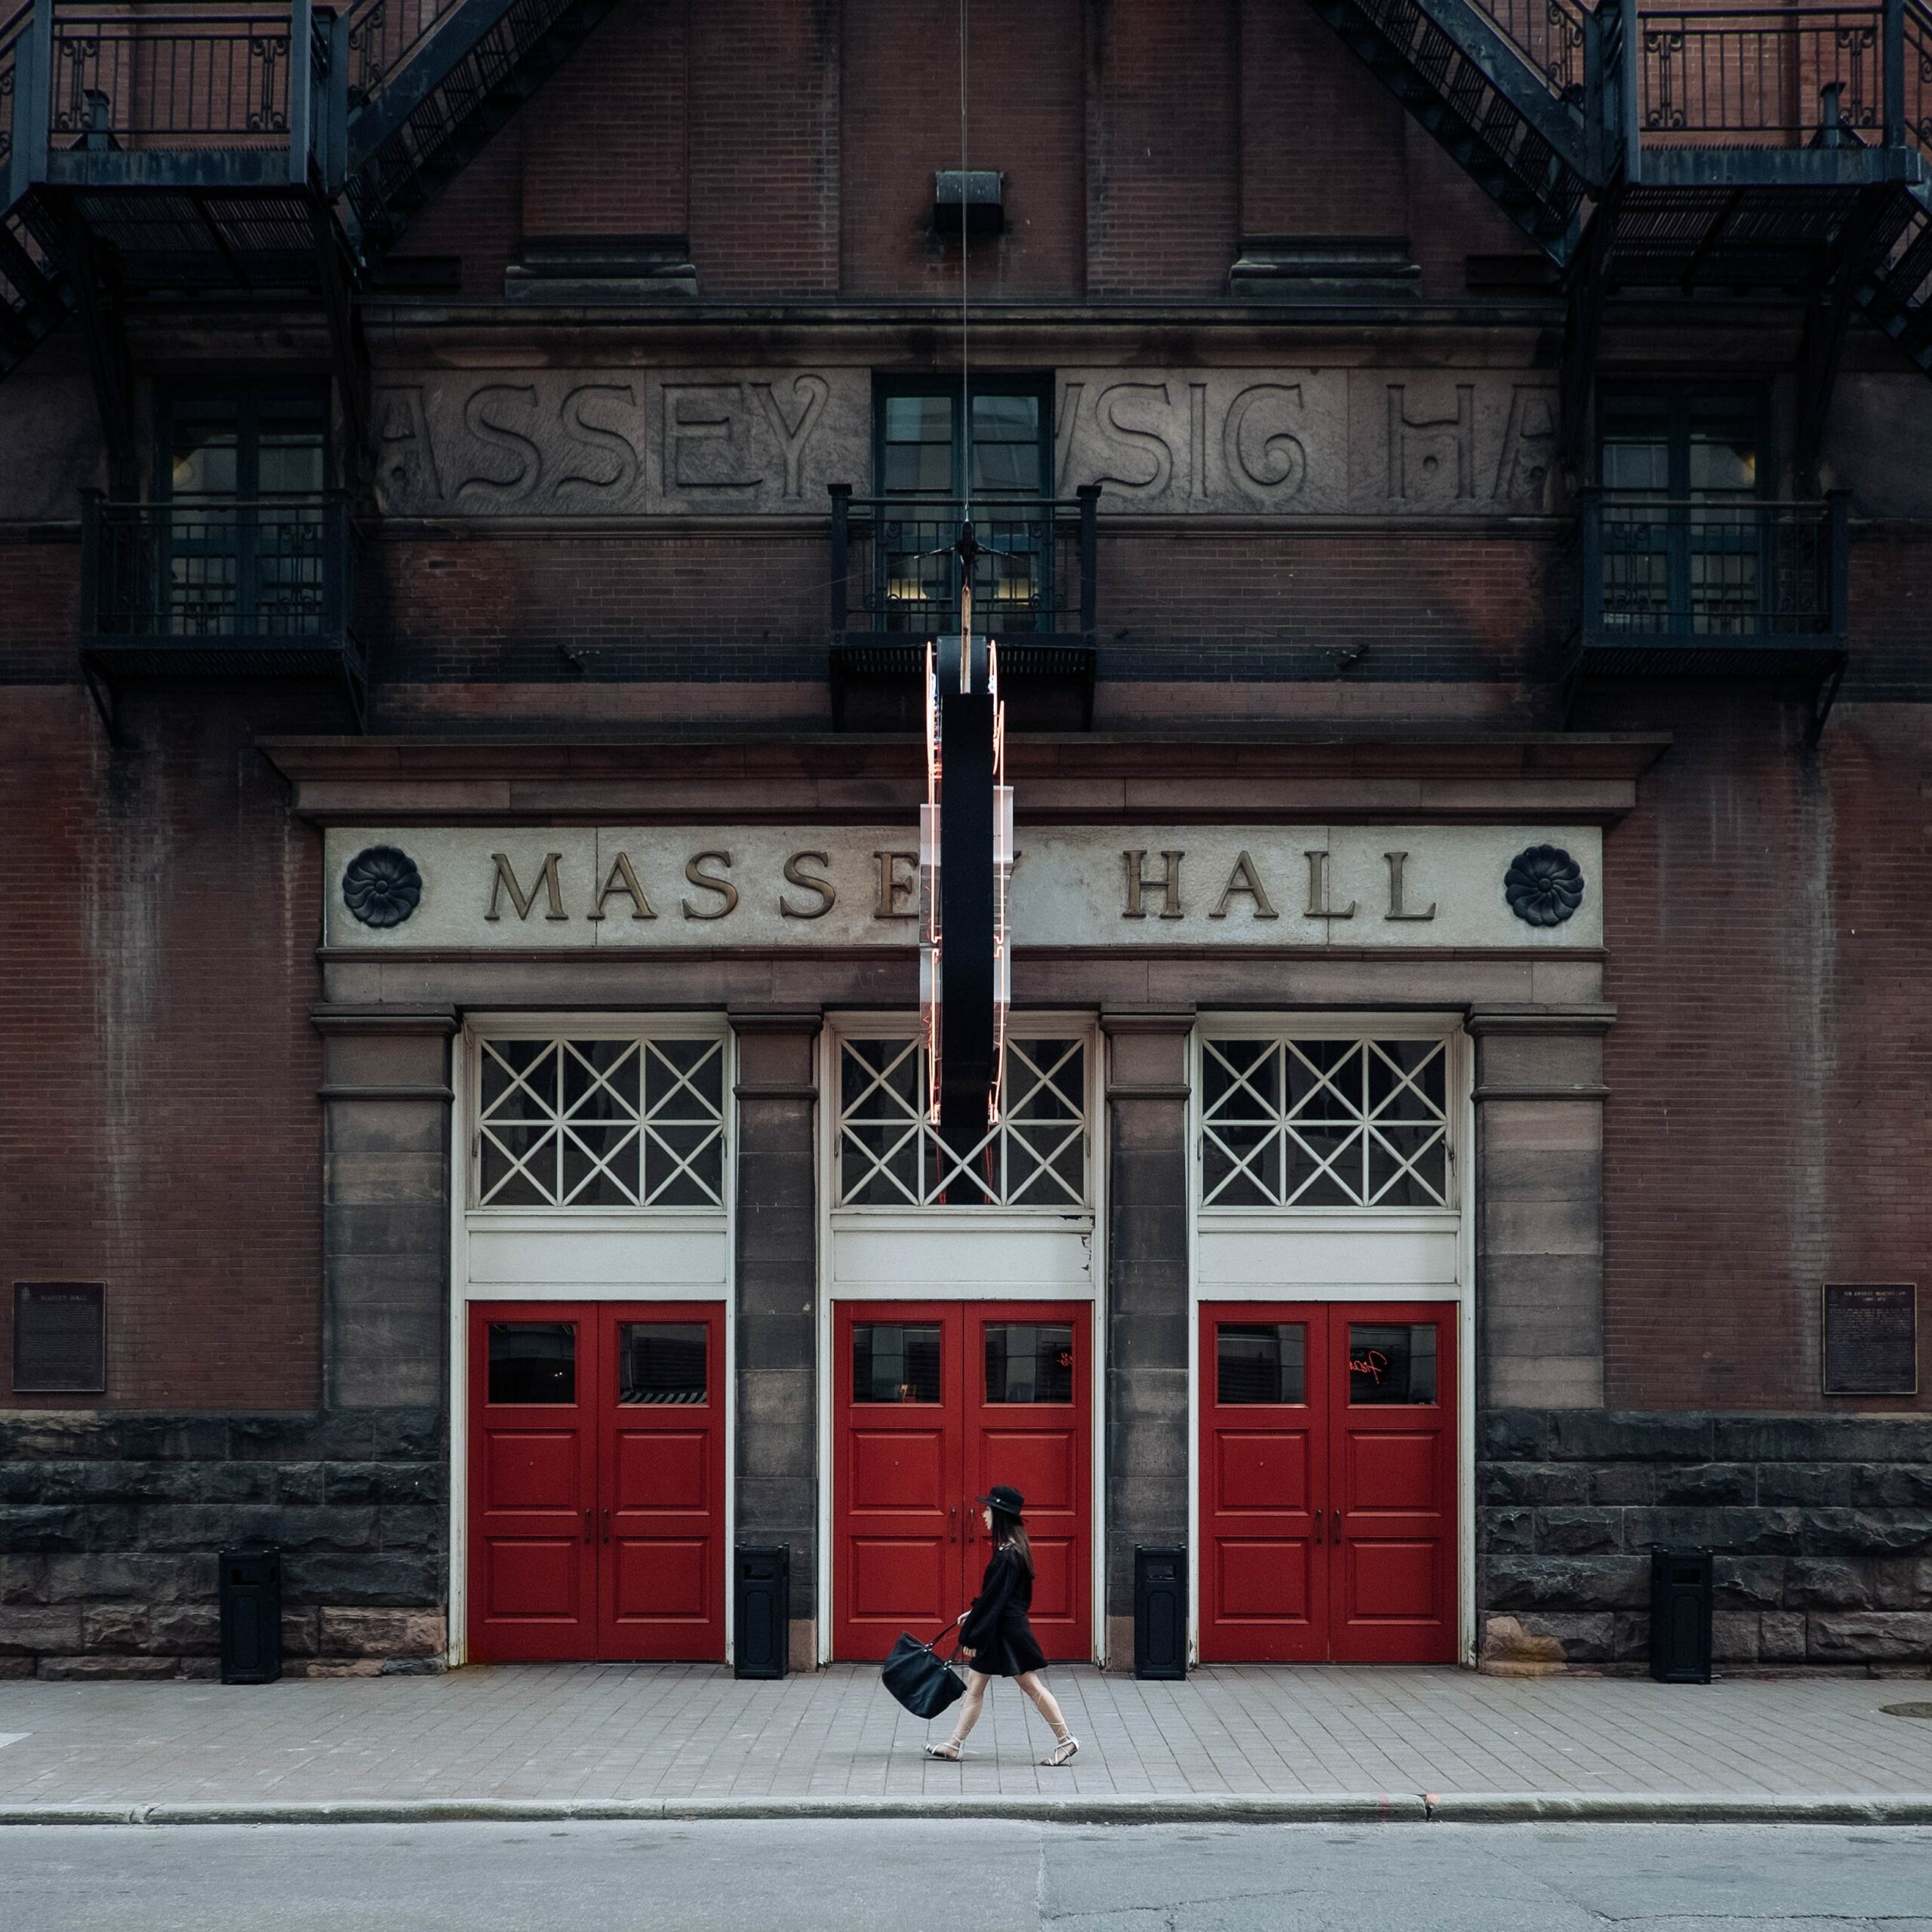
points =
(1155, 885)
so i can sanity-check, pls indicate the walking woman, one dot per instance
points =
(996, 1638)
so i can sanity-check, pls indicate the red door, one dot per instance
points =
(661, 1586)
(1264, 1471)
(1328, 1470)
(934, 1402)
(596, 1475)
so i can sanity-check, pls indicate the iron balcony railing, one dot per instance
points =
(1713, 575)
(1749, 74)
(241, 76)
(896, 570)
(213, 575)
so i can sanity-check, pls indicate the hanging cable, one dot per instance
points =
(965, 383)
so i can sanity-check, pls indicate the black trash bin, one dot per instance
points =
(761, 1641)
(251, 1594)
(1680, 1588)
(1160, 1611)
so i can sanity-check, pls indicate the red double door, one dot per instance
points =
(933, 1404)
(596, 1482)
(1328, 1483)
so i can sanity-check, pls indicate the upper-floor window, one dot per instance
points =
(929, 441)
(923, 446)
(1687, 544)
(245, 539)
(590, 1122)
(1684, 445)
(889, 1155)
(1346, 1123)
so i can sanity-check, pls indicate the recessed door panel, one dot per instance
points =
(1263, 1464)
(1327, 1474)
(935, 1402)
(597, 1481)
(533, 1481)
(896, 1473)
(662, 1521)
(1392, 1381)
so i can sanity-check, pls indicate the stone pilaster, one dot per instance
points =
(386, 1098)
(1539, 1095)
(1147, 1299)
(777, 1294)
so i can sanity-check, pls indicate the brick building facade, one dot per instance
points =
(1405, 450)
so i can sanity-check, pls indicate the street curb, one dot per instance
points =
(1335, 1808)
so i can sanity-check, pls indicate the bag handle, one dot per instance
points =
(934, 1646)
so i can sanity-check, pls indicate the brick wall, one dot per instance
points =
(158, 1124)
(605, 151)
(902, 66)
(1765, 1131)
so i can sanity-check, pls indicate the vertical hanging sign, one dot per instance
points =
(965, 868)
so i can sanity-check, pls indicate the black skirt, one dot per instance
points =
(996, 1630)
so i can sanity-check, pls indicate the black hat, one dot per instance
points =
(1004, 1496)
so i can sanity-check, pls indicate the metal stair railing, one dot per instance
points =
(434, 99)
(35, 294)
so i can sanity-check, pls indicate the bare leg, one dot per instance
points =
(970, 1707)
(1065, 1744)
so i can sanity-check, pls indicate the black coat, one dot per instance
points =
(996, 1630)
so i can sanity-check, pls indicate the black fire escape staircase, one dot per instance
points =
(1768, 150)
(266, 150)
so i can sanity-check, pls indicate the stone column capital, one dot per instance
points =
(436, 1022)
(1520, 1020)
(776, 1019)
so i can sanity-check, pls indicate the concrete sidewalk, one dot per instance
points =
(640, 1739)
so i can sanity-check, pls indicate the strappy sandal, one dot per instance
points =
(949, 1752)
(1064, 1752)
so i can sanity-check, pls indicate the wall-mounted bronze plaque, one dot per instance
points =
(60, 1338)
(1870, 1338)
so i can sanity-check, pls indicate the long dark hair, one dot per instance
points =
(1010, 1533)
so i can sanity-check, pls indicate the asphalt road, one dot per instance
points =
(962, 1876)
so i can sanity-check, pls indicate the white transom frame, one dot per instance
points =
(640, 1030)
(715, 1228)
(1364, 1029)
(1003, 1228)
(1022, 1029)
(1455, 1224)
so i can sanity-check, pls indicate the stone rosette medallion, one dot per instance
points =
(381, 885)
(1544, 885)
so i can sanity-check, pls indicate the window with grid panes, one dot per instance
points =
(890, 1155)
(1324, 1123)
(601, 1123)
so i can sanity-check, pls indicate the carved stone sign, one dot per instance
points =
(553, 888)
(1280, 441)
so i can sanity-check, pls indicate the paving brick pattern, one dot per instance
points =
(693, 1732)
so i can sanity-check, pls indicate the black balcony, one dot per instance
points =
(1713, 589)
(213, 587)
(895, 574)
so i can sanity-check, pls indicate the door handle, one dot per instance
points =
(952, 1524)
(589, 1534)
(1318, 1526)
(1335, 1526)
(607, 1526)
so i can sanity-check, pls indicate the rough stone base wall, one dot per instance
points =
(111, 1525)
(1821, 1526)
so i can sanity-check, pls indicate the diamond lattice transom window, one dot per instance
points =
(601, 1124)
(891, 1156)
(1324, 1123)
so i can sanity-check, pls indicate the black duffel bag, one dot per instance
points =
(920, 1678)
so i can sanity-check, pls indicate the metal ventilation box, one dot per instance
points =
(975, 195)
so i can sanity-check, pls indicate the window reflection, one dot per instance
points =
(533, 1361)
(895, 1361)
(1030, 1361)
(1260, 1361)
(661, 1362)
(1391, 1363)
